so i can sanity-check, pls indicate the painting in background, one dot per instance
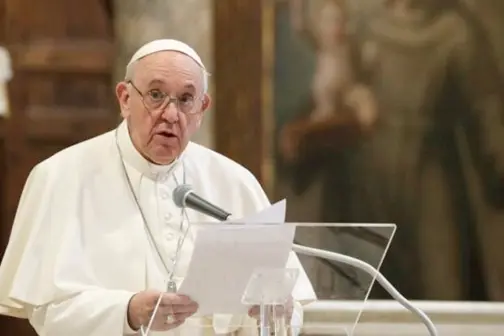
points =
(391, 111)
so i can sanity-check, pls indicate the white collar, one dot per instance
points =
(133, 158)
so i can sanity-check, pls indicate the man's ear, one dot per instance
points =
(206, 103)
(123, 96)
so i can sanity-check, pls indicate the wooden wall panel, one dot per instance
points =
(62, 91)
(238, 78)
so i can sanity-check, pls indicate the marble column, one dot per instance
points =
(139, 21)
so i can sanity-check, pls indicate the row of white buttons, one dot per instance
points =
(170, 235)
(170, 229)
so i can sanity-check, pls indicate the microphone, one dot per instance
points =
(181, 195)
(184, 196)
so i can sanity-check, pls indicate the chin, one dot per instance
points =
(164, 156)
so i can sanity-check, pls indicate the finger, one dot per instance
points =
(172, 318)
(176, 309)
(188, 308)
(175, 299)
(164, 322)
(160, 324)
(170, 299)
(175, 324)
(183, 316)
(164, 326)
(254, 311)
(166, 310)
(161, 317)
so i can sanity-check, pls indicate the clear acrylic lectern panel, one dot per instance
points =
(269, 287)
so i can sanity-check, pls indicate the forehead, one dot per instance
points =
(169, 67)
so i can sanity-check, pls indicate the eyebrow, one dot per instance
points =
(190, 86)
(156, 81)
(186, 86)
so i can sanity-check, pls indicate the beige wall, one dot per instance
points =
(139, 21)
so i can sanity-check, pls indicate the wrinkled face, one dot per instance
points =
(331, 22)
(163, 103)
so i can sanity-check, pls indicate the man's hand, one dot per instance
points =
(280, 310)
(173, 310)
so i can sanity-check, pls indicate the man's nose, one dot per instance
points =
(171, 112)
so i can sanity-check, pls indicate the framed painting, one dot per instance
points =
(383, 111)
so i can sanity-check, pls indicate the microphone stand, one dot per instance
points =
(354, 262)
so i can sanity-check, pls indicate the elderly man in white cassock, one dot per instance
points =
(97, 234)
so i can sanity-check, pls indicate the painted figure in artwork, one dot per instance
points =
(315, 145)
(337, 93)
(335, 88)
(434, 163)
(432, 160)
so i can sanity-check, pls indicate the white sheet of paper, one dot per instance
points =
(226, 255)
(272, 215)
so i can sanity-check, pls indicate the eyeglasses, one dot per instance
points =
(156, 101)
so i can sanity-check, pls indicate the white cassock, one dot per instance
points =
(79, 248)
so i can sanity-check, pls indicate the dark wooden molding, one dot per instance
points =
(92, 56)
(237, 77)
(2, 128)
(72, 124)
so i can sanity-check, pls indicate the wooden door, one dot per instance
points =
(61, 93)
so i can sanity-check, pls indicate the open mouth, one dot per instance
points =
(167, 134)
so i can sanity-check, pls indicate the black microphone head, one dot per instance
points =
(180, 194)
